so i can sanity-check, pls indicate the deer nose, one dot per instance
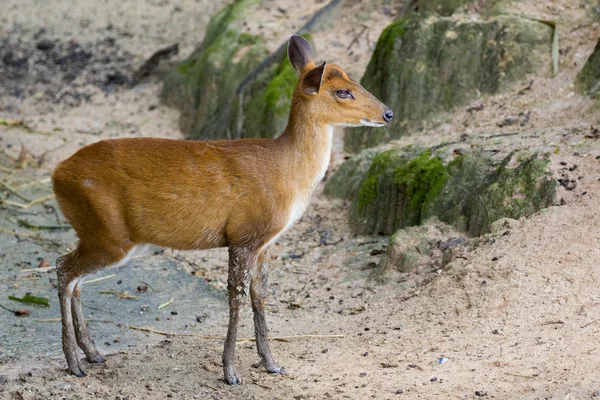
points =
(388, 115)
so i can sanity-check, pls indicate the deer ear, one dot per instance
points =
(312, 81)
(300, 53)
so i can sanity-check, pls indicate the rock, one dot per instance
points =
(347, 179)
(443, 7)
(63, 386)
(266, 106)
(519, 187)
(417, 247)
(405, 186)
(424, 64)
(202, 86)
(450, 7)
(44, 44)
(588, 79)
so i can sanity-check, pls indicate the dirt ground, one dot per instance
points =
(517, 318)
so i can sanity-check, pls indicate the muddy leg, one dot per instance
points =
(81, 331)
(66, 285)
(258, 291)
(240, 264)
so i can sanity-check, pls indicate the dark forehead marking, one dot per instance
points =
(333, 72)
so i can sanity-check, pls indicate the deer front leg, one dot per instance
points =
(258, 291)
(241, 263)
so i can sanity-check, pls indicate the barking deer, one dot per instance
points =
(121, 195)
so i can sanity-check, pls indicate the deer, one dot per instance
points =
(122, 195)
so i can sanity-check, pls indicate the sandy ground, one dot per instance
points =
(517, 318)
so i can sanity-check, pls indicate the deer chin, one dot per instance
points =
(368, 122)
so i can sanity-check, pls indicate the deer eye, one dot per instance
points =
(344, 94)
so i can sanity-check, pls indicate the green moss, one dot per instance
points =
(381, 165)
(519, 187)
(347, 180)
(203, 86)
(266, 105)
(588, 79)
(421, 179)
(404, 187)
(227, 18)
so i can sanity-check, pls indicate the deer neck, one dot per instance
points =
(307, 141)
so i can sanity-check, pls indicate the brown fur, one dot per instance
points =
(197, 195)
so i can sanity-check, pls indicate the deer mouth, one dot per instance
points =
(368, 122)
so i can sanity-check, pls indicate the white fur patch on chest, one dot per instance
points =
(324, 162)
(301, 202)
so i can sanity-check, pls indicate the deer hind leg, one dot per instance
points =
(258, 293)
(81, 330)
(66, 286)
(241, 263)
(70, 270)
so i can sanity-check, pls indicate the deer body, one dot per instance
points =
(123, 194)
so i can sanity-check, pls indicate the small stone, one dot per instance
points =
(44, 45)
(434, 379)
(366, 353)
(399, 391)
(494, 258)
(142, 288)
(201, 318)
(495, 332)
(63, 386)
(174, 313)
(480, 393)
(362, 374)
(324, 351)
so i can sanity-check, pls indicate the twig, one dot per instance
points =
(29, 225)
(520, 376)
(120, 295)
(14, 191)
(30, 204)
(368, 242)
(249, 339)
(7, 309)
(501, 135)
(42, 156)
(589, 323)
(7, 170)
(445, 144)
(43, 269)
(105, 321)
(262, 386)
(100, 279)
(557, 322)
(37, 182)
(355, 40)
(165, 304)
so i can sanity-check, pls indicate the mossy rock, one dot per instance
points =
(424, 64)
(519, 187)
(450, 7)
(443, 7)
(588, 79)
(266, 103)
(205, 86)
(404, 187)
(347, 179)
